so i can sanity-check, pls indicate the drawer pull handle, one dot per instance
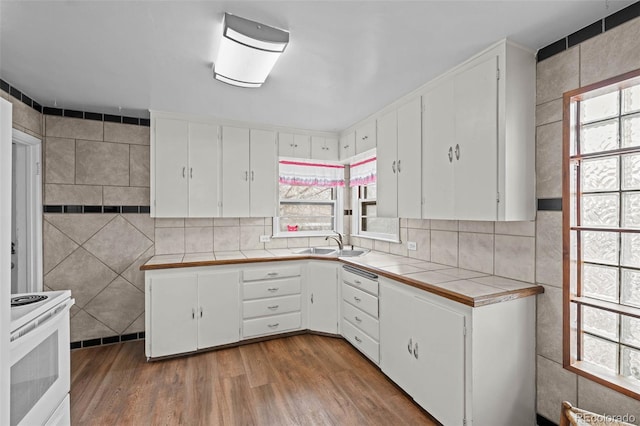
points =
(273, 325)
(273, 308)
(357, 299)
(272, 274)
(359, 340)
(357, 319)
(357, 282)
(272, 289)
(193, 313)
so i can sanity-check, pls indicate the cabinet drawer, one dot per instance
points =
(270, 325)
(279, 271)
(361, 320)
(359, 298)
(270, 306)
(366, 284)
(361, 341)
(271, 288)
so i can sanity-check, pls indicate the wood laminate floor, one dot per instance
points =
(299, 380)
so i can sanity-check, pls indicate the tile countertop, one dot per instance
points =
(461, 285)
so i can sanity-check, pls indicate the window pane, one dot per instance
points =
(293, 224)
(600, 175)
(599, 108)
(380, 225)
(631, 171)
(600, 210)
(630, 363)
(369, 208)
(600, 247)
(630, 331)
(600, 352)
(599, 137)
(631, 131)
(306, 210)
(631, 210)
(631, 99)
(630, 250)
(370, 191)
(294, 192)
(630, 294)
(602, 323)
(600, 282)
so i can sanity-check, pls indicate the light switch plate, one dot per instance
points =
(411, 245)
(265, 238)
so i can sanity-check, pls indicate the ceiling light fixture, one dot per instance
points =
(248, 51)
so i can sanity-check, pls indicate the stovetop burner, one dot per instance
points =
(27, 299)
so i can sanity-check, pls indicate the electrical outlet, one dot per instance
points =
(265, 238)
(411, 245)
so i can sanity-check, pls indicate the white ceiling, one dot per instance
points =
(346, 59)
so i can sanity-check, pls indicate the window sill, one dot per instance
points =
(624, 385)
(371, 237)
(303, 234)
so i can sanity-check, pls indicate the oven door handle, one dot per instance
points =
(50, 315)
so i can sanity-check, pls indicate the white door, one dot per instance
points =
(476, 144)
(386, 153)
(203, 170)
(409, 164)
(322, 290)
(173, 314)
(439, 352)
(264, 174)
(438, 127)
(396, 340)
(235, 172)
(171, 163)
(218, 308)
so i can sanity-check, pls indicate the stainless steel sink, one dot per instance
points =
(317, 250)
(351, 253)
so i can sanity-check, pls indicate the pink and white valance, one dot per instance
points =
(363, 170)
(299, 172)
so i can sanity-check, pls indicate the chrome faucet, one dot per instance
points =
(337, 239)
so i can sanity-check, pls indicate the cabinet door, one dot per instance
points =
(204, 166)
(476, 141)
(409, 164)
(322, 290)
(173, 314)
(439, 350)
(324, 148)
(264, 174)
(302, 146)
(366, 137)
(438, 129)
(387, 179)
(286, 147)
(396, 340)
(218, 308)
(235, 172)
(171, 192)
(347, 146)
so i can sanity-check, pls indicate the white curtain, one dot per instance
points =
(363, 169)
(300, 172)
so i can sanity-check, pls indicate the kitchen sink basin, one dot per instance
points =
(351, 253)
(317, 250)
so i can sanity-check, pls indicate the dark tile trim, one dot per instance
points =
(107, 340)
(550, 204)
(13, 91)
(543, 421)
(622, 16)
(96, 209)
(598, 27)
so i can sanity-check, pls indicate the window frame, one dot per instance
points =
(338, 221)
(571, 339)
(356, 224)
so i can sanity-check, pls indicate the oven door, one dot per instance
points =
(40, 367)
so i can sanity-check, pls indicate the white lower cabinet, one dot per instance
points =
(187, 311)
(322, 291)
(465, 366)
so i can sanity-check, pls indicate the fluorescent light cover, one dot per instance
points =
(248, 51)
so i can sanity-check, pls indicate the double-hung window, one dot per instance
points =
(601, 222)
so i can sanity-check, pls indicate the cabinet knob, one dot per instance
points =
(450, 154)
(246, 175)
(359, 340)
(357, 299)
(252, 175)
(191, 172)
(399, 166)
(184, 172)
(415, 350)
(193, 313)
(457, 151)
(357, 319)
(393, 166)
(410, 346)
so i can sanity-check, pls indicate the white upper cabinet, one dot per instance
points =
(348, 146)
(324, 148)
(292, 145)
(249, 172)
(399, 162)
(478, 139)
(366, 136)
(184, 175)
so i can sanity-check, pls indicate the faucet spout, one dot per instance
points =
(337, 239)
